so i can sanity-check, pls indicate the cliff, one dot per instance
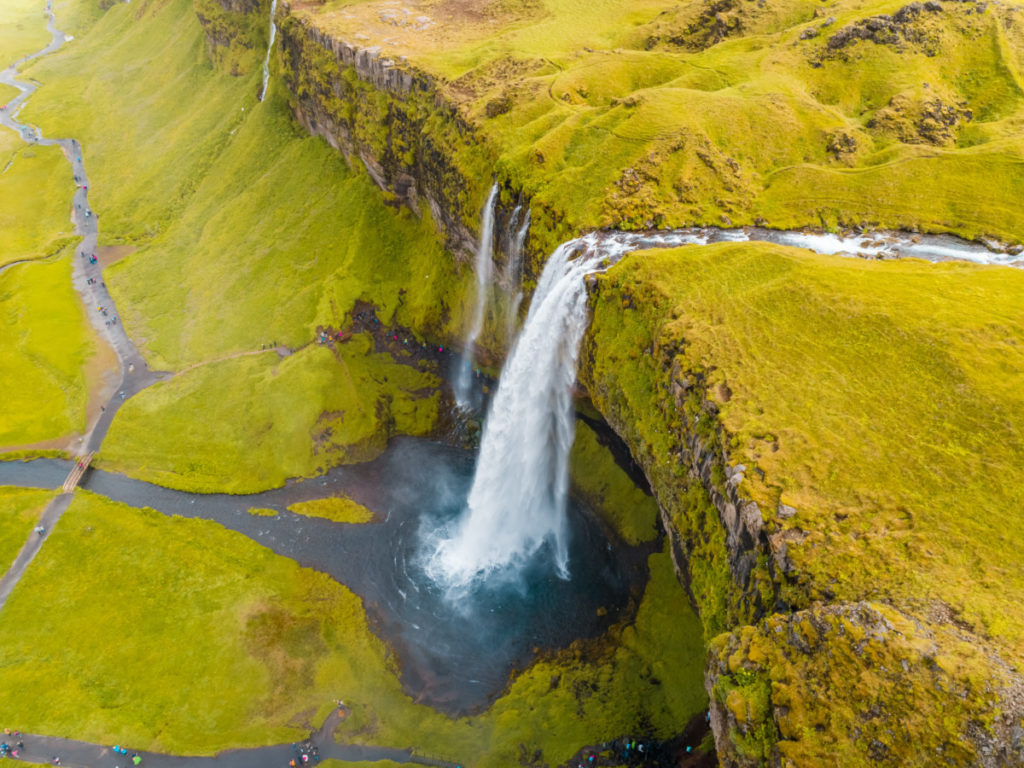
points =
(788, 411)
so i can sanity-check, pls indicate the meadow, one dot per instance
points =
(46, 357)
(20, 509)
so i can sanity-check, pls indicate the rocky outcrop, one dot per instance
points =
(860, 683)
(235, 32)
(393, 120)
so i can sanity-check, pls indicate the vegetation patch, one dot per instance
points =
(47, 345)
(36, 187)
(22, 30)
(338, 509)
(250, 423)
(20, 509)
(609, 490)
(909, 690)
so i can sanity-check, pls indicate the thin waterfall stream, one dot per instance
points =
(484, 270)
(270, 47)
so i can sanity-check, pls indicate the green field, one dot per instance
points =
(22, 29)
(20, 509)
(250, 423)
(178, 635)
(35, 199)
(47, 344)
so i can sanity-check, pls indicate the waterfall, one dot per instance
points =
(270, 45)
(514, 272)
(484, 270)
(517, 504)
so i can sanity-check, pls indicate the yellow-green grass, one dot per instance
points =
(178, 635)
(884, 402)
(607, 489)
(35, 199)
(266, 233)
(626, 115)
(279, 239)
(262, 512)
(151, 125)
(22, 29)
(46, 343)
(20, 509)
(250, 423)
(337, 509)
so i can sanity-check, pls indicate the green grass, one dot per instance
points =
(175, 635)
(20, 509)
(46, 342)
(36, 190)
(250, 423)
(880, 400)
(22, 29)
(607, 489)
(260, 232)
(178, 635)
(337, 509)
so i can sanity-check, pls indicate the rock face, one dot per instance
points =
(393, 120)
(236, 32)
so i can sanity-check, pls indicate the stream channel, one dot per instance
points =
(455, 654)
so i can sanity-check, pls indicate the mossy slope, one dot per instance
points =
(841, 414)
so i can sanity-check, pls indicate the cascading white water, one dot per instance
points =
(514, 273)
(518, 500)
(484, 271)
(270, 45)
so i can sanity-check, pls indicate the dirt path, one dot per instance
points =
(87, 279)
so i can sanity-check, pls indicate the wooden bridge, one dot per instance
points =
(73, 478)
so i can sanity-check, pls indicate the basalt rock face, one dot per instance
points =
(393, 120)
(236, 32)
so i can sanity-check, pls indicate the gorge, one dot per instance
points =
(729, 300)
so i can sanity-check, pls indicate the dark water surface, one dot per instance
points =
(456, 651)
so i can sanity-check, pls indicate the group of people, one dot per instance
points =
(305, 753)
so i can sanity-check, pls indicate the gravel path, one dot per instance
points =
(81, 754)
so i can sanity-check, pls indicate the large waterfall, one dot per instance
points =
(521, 487)
(270, 45)
(484, 271)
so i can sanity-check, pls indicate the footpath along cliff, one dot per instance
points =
(835, 444)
